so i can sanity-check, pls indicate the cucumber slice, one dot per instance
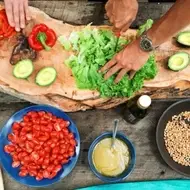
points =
(23, 69)
(179, 61)
(46, 76)
(184, 38)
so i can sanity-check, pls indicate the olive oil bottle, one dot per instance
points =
(137, 108)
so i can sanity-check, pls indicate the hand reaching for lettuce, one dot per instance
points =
(129, 60)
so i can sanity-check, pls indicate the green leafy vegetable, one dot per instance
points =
(146, 26)
(94, 48)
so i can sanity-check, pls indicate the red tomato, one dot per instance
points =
(29, 146)
(57, 127)
(37, 147)
(34, 140)
(67, 123)
(15, 164)
(56, 162)
(41, 113)
(71, 136)
(32, 173)
(16, 126)
(35, 156)
(23, 124)
(36, 127)
(49, 127)
(60, 157)
(26, 118)
(39, 176)
(29, 136)
(52, 175)
(27, 159)
(23, 168)
(32, 167)
(55, 150)
(50, 168)
(52, 145)
(62, 151)
(46, 161)
(54, 156)
(9, 148)
(43, 122)
(23, 138)
(63, 146)
(12, 138)
(23, 173)
(47, 149)
(40, 161)
(71, 154)
(57, 168)
(65, 131)
(54, 134)
(15, 158)
(42, 153)
(46, 174)
(64, 161)
(71, 149)
(43, 138)
(61, 135)
(72, 142)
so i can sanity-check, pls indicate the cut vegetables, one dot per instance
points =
(184, 38)
(42, 37)
(6, 31)
(179, 61)
(46, 76)
(23, 69)
(93, 49)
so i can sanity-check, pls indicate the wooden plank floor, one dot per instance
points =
(149, 164)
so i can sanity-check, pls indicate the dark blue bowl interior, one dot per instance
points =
(131, 162)
(6, 159)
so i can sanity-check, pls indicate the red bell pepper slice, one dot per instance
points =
(42, 37)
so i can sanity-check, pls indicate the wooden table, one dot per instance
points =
(149, 164)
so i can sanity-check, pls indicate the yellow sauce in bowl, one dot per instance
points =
(110, 161)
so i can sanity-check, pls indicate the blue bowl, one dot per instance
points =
(132, 161)
(6, 159)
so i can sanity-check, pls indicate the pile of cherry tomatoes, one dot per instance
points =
(40, 144)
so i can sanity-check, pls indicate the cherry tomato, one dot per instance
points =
(65, 131)
(56, 162)
(35, 156)
(72, 142)
(27, 159)
(26, 118)
(29, 136)
(42, 153)
(23, 173)
(52, 145)
(71, 136)
(46, 174)
(16, 126)
(57, 127)
(36, 127)
(46, 161)
(39, 176)
(15, 157)
(23, 124)
(54, 156)
(15, 164)
(54, 134)
(32, 167)
(62, 151)
(50, 168)
(61, 135)
(57, 168)
(43, 138)
(55, 150)
(34, 140)
(43, 122)
(11, 137)
(23, 138)
(47, 149)
(60, 157)
(41, 113)
(32, 173)
(41, 160)
(52, 175)
(64, 161)
(9, 148)
(37, 147)
(71, 154)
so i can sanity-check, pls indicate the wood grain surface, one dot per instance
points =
(149, 164)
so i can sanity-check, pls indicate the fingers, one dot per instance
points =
(26, 9)
(108, 65)
(121, 75)
(22, 15)
(132, 74)
(112, 71)
(9, 12)
(16, 7)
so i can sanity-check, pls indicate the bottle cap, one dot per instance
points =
(144, 101)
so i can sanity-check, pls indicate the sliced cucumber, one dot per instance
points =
(184, 38)
(23, 69)
(46, 76)
(179, 61)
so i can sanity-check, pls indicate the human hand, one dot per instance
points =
(121, 13)
(131, 59)
(17, 13)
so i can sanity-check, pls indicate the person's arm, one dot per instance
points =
(132, 58)
(177, 18)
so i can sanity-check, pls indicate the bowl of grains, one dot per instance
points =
(173, 136)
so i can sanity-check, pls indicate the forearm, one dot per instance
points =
(177, 18)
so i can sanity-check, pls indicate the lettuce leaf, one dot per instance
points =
(146, 26)
(93, 48)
